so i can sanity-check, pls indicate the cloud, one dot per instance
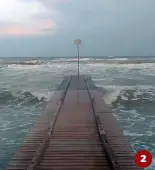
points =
(106, 27)
(26, 17)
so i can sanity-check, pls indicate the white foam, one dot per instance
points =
(119, 59)
(23, 67)
(89, 68)
(112, 95)
(43, 94)
(128, 133)
(72, 59)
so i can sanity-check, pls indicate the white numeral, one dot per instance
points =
(143, 158)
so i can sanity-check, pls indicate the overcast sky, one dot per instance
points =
(48, 27)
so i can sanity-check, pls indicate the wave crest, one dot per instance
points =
(20, 97)
(83, 60)
(31, 62)
(133, 97)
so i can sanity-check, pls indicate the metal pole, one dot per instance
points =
(78, 42)
(78, 60)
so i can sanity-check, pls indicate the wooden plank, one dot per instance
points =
(75, 141)
(81, 117)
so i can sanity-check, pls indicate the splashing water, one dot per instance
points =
(27, 84)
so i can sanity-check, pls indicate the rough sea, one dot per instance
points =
(26, 84)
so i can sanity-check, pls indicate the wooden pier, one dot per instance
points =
(77, 131)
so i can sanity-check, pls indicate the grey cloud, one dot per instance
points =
(107, 27)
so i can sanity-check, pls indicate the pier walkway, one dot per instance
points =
(77, 131)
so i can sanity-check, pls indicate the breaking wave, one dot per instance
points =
(31, 62)
(127, 61)
(20, 97)
(83, 60)
(134, 97)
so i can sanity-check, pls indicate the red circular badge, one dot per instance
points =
(143, 159)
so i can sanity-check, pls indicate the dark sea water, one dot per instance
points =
(26, 84)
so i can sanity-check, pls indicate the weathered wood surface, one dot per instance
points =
(71, 133)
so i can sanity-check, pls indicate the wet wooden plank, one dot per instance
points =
(75, 142)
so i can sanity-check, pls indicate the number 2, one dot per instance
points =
(143, 158)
